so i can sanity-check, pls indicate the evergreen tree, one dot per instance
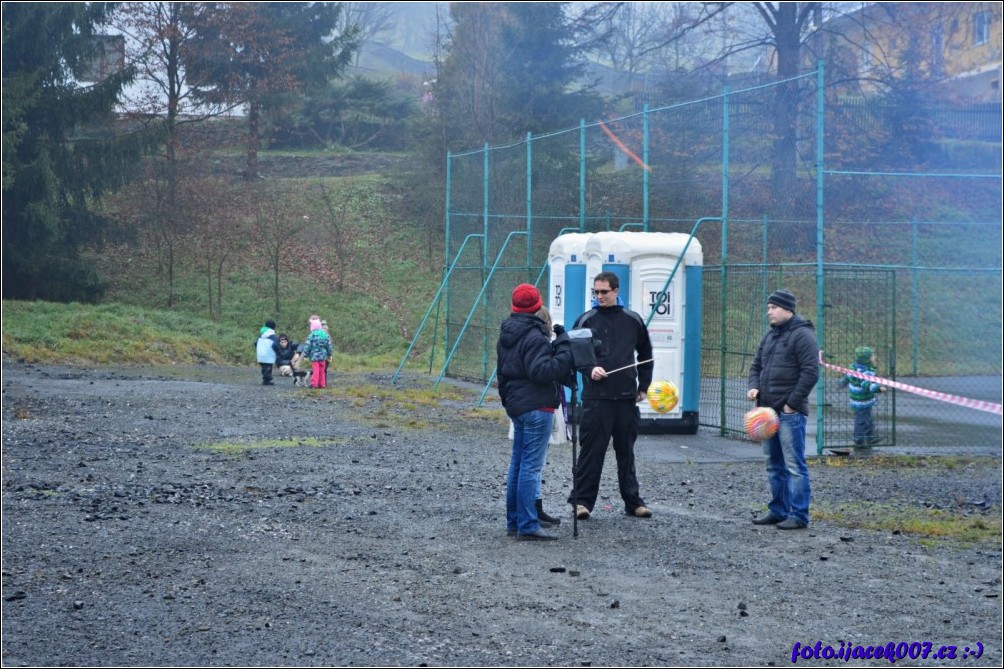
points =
(509, 69)
(257, 54)
(61, 150)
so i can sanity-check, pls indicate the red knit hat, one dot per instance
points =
(526, 299)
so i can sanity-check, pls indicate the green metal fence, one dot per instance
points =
(882, 216)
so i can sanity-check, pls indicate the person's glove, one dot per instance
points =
(562, 340)
(559, 329)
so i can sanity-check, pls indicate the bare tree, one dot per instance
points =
(370, 20)
(636, 38)
(338, 206)
(159, 38)
(218, 214)
(276, 226)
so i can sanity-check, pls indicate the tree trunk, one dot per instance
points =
(209, 285)
(254, 122)
(784, 156)
(275, 266)
(219, 290)
(170, 275)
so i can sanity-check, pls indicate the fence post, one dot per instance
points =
(725, 246)
(529, 203)
(645, 172)
(484, 266)
(582, 174)
(446, 260)
(820, 307)
(916, 292)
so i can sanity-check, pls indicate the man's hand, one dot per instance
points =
(752, 393)
(640, 397)
(598, 374)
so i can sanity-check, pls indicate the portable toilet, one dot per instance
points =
(568, 282)
(643, 262)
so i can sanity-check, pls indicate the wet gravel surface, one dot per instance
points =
(189, 516)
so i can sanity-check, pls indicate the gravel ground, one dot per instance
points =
(374, 534)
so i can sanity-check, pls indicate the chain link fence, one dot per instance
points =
(883, 218)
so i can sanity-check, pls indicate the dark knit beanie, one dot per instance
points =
(783, 299)
(526, 299)
(270, 324)
(863, 355)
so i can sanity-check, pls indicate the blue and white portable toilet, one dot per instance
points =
(569, 285)
(643, 262)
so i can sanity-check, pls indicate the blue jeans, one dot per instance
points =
(531, 432)
(864, 429)
(786, 469)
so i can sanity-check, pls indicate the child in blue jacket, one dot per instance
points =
(264, 347)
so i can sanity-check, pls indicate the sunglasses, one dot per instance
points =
(602, 292)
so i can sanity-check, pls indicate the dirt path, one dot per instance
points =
(372, 533)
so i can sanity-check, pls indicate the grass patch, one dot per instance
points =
(882, 461)
(929, 524)
(239, 447)
(919, 522)
(402, 397)
(491, 415)
(46, 332)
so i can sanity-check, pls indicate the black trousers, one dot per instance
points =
(601, 420)
(266, 372)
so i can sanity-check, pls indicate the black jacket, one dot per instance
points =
(528, 370)
(284, 356)
(622, 334)
(786, 366)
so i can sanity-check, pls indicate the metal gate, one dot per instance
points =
(859, 310)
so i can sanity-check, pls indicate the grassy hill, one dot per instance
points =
(354, 252)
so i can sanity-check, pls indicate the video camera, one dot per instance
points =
(582, 345)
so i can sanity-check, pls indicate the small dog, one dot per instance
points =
(301, 377)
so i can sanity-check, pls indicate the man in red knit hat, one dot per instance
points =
(529, 375)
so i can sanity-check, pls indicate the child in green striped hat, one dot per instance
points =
(863, 395)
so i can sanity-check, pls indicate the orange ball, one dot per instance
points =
(761, 423)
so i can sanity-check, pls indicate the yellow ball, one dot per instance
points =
(761, 423)
(663, 396)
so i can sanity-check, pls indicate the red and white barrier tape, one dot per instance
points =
(979, 405)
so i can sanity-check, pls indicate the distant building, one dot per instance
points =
(954, 45)
(109, 58)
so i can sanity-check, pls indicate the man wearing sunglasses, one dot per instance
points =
(610, 401)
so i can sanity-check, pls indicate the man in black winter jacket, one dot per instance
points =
(610, 401)
(529, 372)
(783, 373)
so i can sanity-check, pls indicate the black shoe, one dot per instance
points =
(539, 535)
(545, 520)
(769, 519)
(792, 524)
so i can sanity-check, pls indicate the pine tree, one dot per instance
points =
(61, 149)
(257, 54)
(511, 68)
